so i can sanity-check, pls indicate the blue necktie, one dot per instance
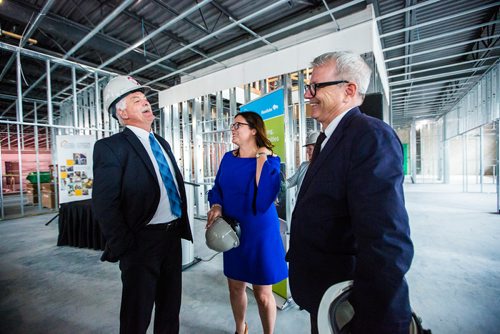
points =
(166, 176)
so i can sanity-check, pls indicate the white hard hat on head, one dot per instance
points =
(311, 138)
(119, 87)
(220, 236)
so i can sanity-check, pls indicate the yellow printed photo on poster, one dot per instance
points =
(70, 162)
(64, 175)
(78, 192)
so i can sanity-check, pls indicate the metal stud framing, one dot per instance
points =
(80, 113)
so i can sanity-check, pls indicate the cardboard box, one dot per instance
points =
(31, 193)
(31, 197)
(48, 199)
(47, 187)
(31, 188)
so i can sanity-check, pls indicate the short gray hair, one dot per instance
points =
(350, 66)
(122, 105)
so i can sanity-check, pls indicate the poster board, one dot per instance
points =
(74, 167)
(271, 107)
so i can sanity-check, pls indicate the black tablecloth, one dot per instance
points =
(77, 226)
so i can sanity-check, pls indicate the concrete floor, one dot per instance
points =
(454, 280)
(12, 207)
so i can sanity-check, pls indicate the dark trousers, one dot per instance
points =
(314, 324)
(151, 275)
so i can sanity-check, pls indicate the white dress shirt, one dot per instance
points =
(332, 126)
(163, 213)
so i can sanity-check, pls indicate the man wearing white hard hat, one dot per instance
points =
(139, 201)
(297, 178)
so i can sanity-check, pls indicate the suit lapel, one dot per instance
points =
(140, 150)
(330, 145)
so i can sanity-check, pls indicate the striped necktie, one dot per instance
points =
(166, 176)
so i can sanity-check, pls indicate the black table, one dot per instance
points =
(77, 226)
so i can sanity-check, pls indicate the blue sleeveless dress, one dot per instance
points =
(260, 257)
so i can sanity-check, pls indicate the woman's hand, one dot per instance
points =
(264, 151)
(213, 213)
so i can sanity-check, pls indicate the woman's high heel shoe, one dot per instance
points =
(245, 331)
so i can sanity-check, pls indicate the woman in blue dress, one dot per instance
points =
(246, 186)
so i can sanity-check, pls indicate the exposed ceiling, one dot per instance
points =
(434, 50)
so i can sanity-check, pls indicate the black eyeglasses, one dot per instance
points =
(237, 125)
(312, 88)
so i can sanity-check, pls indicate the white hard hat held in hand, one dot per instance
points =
(221, 237)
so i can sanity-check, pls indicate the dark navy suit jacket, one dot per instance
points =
(350, 222)
(126, 191)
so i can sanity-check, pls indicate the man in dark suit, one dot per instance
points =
(139, 201)
(350, 221)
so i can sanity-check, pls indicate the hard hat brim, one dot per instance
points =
(334, 310)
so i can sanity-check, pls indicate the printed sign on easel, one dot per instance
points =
(74, 156)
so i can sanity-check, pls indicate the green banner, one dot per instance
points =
(405, 159)
(275, 128)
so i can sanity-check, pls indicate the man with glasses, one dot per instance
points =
(350, 222)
